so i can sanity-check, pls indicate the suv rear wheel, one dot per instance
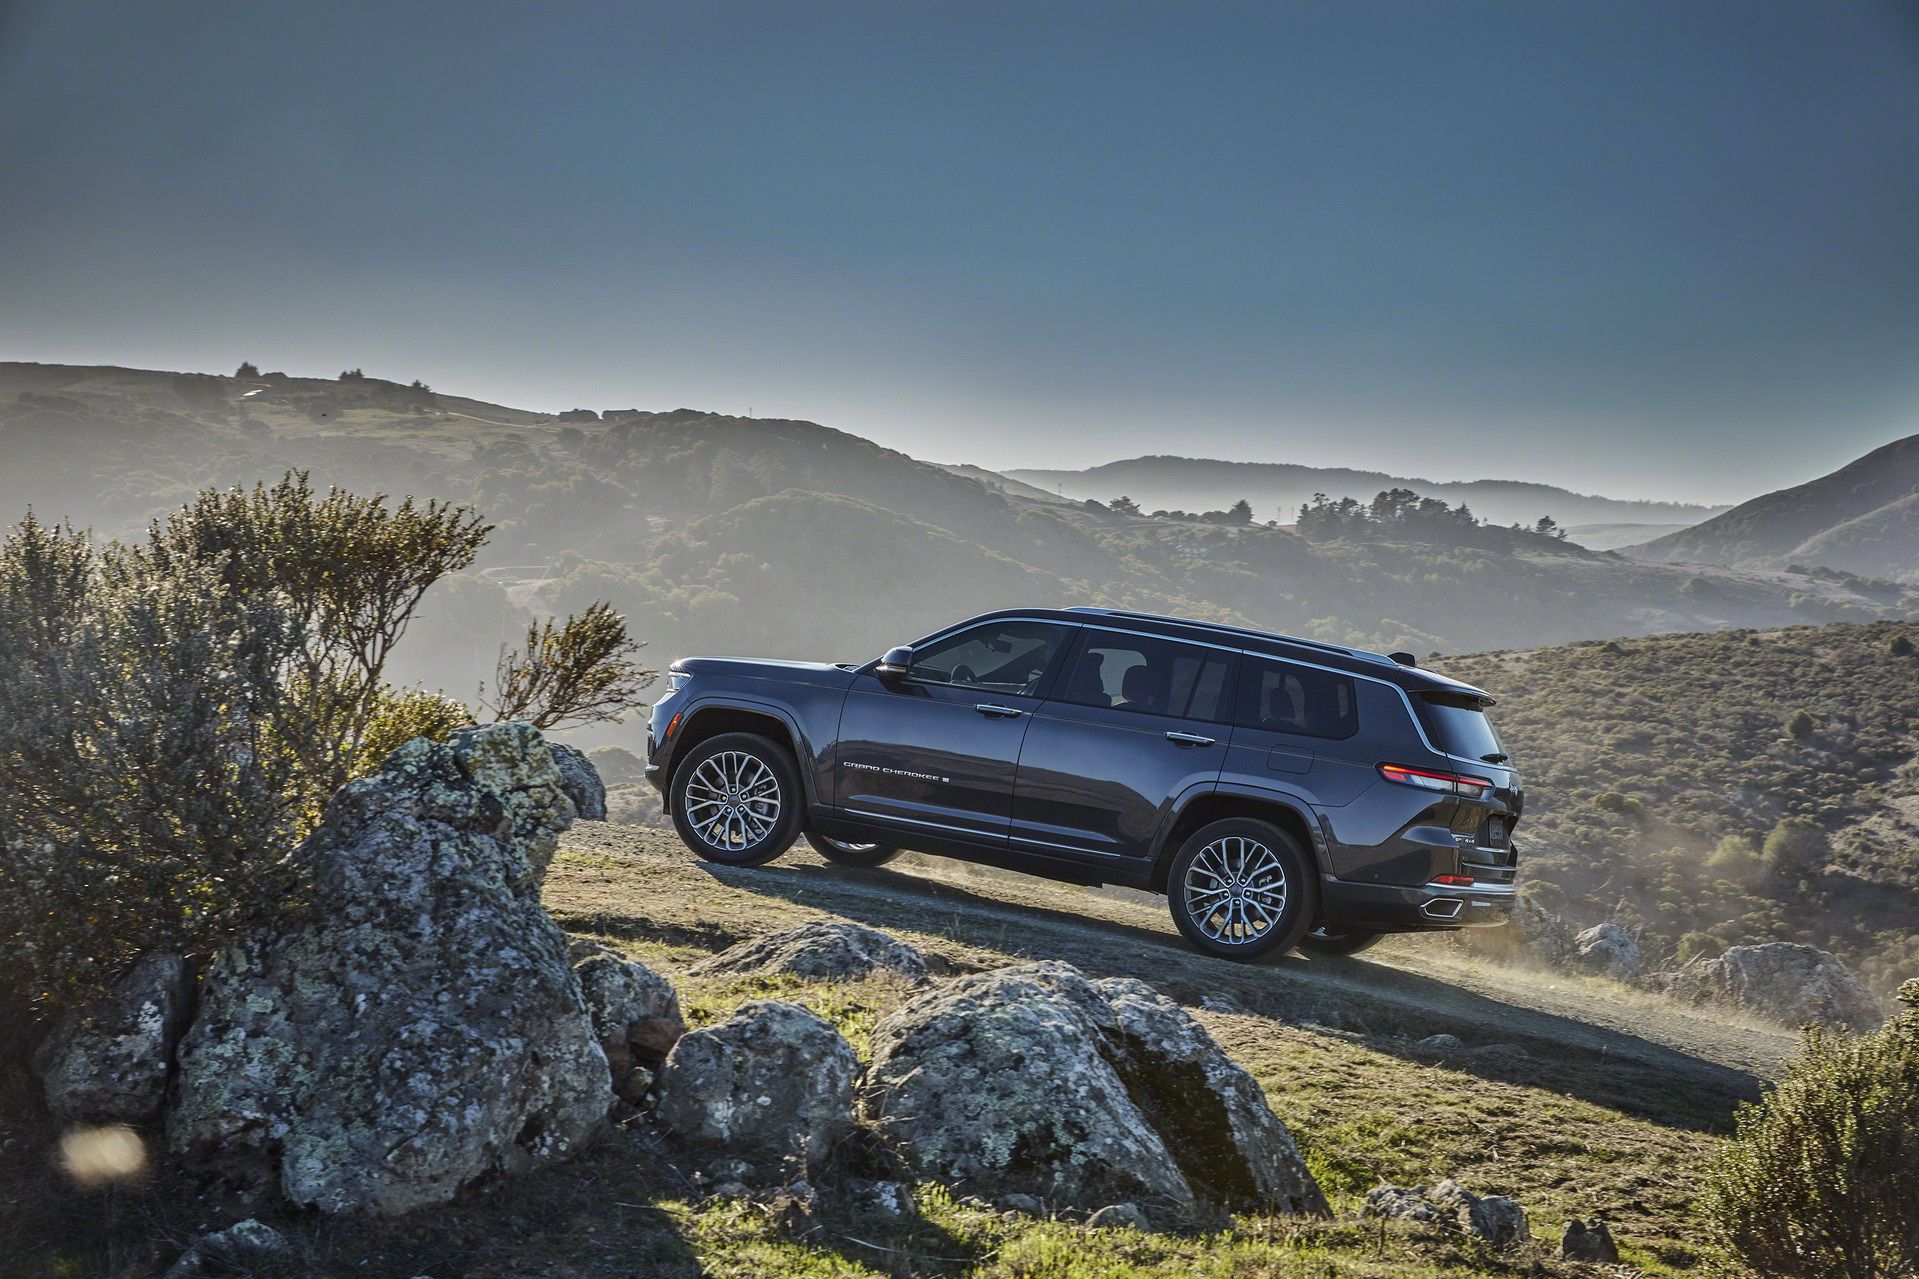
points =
(862, 856)
(1238, 888)
(736, 799)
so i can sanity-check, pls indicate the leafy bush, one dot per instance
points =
(174, 714)
(1822, 1178)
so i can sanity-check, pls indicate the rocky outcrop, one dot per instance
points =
(1610, 951)
(1790, 983)
(1588, 1241)
(1497, 1220)
(818, 952)
(417, 1025)
(635, 1015)
(1033, 1080)
(770, 1085)
(581, 782)
(108, 1063)
(247, 1248)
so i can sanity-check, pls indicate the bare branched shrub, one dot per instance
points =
(578, 672)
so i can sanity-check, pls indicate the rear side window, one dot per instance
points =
(1282, 697)
(1458, 725)
(1151, 676)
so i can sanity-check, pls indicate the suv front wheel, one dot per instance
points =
(736, 800)
(1239, 888)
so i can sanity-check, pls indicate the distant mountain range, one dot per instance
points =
(1276, 490)
(768, 537)
(1863, 518)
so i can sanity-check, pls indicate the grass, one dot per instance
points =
(1366, 1105)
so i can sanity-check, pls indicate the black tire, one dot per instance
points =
(732, 822)
(859, 856)
(1340, 941)
(1269, 910)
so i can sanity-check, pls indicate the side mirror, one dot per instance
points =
(895, 664)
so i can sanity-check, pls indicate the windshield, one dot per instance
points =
(1458, 726)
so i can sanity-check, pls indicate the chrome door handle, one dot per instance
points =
(1189, 739)
(998, 712)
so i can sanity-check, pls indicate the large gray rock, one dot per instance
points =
(1790, 983)
(108, 1063)
(247, 1248)
(581, 782)
(635, 1015)
(417, 1025)
(1034, 1080)
(1497, 1220)
(771, 1083)
(1610, 951)
(817, 952)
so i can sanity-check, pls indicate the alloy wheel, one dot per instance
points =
(733, 801)
(1235, 890)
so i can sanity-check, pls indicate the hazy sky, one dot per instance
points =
(1663, 249)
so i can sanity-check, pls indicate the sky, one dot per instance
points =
(1653, 249)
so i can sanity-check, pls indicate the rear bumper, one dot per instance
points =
(1395, 908)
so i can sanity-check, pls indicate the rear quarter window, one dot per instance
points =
(1457, 724)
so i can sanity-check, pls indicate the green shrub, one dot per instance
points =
(1800, 725)
(1795, 849)
(174, 714)
(1697, 945)
(1822, 1178)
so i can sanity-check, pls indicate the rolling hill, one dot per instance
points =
(1659, 769)
(1278, 488)
(1863, 518)
(772, 537)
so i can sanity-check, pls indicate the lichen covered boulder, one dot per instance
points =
(1497, 1220)
(772, 1083)
(581, 782)
(1790, 983)
(1610, 951)
(1034, 1080)
(818, 952)
(416, 1025)
(108, 1063)
(635, 1015)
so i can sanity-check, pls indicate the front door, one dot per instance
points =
(1135, 722)
(935, 751)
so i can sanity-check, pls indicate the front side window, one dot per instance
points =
(1151, 676)
(1282, 697)
(996, 657)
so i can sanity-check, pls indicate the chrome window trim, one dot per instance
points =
(1405, 698)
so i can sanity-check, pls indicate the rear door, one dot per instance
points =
(1134, 721)
(936, 751)
(1297, 730)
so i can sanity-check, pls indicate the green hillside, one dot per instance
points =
(770, 537)
(1656, 770)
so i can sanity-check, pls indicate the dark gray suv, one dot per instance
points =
(1281, 792)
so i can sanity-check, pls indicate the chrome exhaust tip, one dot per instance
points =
(1442, 908)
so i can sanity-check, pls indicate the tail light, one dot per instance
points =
(1429, 779)
(1454, 881)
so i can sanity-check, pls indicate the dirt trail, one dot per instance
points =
(1606, 1042)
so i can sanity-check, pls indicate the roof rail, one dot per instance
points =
(1322, 645)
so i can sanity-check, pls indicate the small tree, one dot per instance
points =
(1795, 849)
(1822, 1178)
(1240, 512)
(1124, 505)
(579, 672)
(247, 369)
